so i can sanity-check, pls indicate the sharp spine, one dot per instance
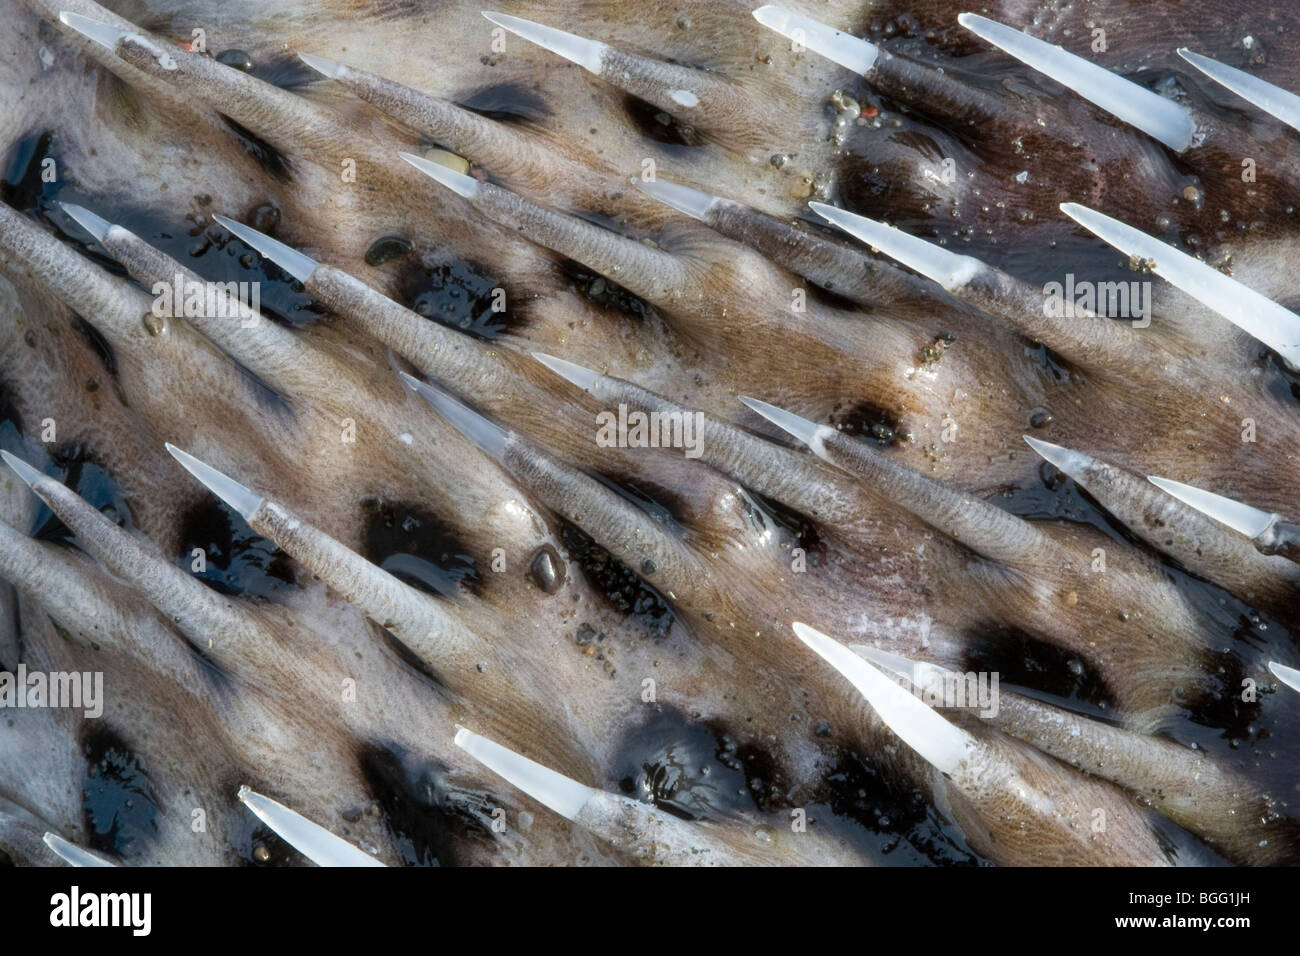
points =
(1155, 115)
(942, 744)
(845, 49)
(571, 372)
(458, 183)
(1260, 317)
(223, 486)
(588, 54)
(1287, 675)
(1242, 518)
(565, 796)
(487, 435)
(72, 854)
(310, 839)
(95, 225)
(1274, 100)
(950, 270)
(287, 258)
(691, 202)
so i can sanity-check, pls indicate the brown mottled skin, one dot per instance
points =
(206, 706)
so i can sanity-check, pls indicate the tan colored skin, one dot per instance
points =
(885, 578)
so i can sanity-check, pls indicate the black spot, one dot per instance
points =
(796, 525)
(237, 560)
(460, 295)
(426, 815)
(868, 420)
(619, 585)
(660, 503)
(603, 292)
(11, 423)
(416, 547)
(689, 769)
(284, 70)
(1025, 662)
(97, 342)
(74, 468)
(900, 821)
(21, 185)
(1221, 707)
(267, 156)
(236, 59)
(507, 102)
(117, 802)
(653, 123)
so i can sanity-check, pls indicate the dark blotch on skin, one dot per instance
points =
(237, 559)
(118, 807)
(685, 768)
(417, 548)
(74, 468)
(900, 822)
(507, 102)
(653, 123)
(603, 292)
(426, 815)
(1024, 661)
(617, 583)
(238, 59)
(459, 295)
(867, 420)
(21, 185)
(97, 342)
(267, 156)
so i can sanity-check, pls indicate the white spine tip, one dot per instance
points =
(484, 433)
(807, 432)
(290, 260)
(565, 796)
(72, 854)
(97, 226)
(588, 54)
(1287, 675)
(224, 487)
(1073, 463)
(845, 49)
(1158, 117)
(1242, 518)
(458, 183)
(310, 839)
(684, 199)
(1260, 317)
(950, 270)
(942, 744)
(321, 65)
(1273, 100)
(102, 33)
(23, 470)
(582, 377)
